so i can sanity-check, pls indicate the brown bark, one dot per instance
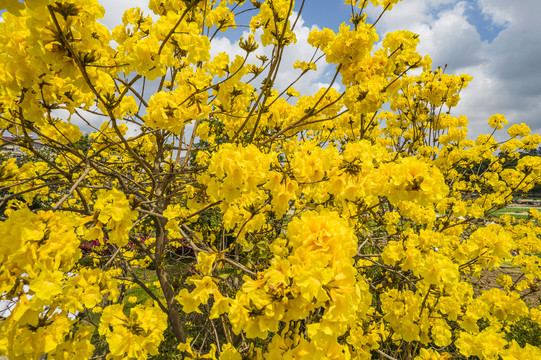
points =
(172, 305)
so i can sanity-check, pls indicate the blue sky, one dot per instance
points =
(488, 30)
(325, 13)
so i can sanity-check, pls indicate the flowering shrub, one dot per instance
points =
(322, 226)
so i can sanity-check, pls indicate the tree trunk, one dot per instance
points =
(172, 305)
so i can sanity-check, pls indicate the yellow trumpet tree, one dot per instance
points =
(210, 214)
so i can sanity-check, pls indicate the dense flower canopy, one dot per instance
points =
(208, 213)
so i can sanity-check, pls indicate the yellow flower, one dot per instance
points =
(431, 354)
(304, 66)
(136, 336)
(190, 301)
(519, 130)
(113, 210)
(497, 121)
(292, 92)
(229, 353)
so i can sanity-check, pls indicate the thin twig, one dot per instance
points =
(72, 189)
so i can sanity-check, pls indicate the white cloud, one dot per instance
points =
(451, 40)
(511, 66)
(409, 14)
(497, 10)
(223, 44)
(444, 31)
(114, 9)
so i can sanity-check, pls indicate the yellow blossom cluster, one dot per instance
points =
(216, 213)
(136, 336)
(37, 253)
(113, 211)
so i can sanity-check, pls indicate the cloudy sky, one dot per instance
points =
(498, 42)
